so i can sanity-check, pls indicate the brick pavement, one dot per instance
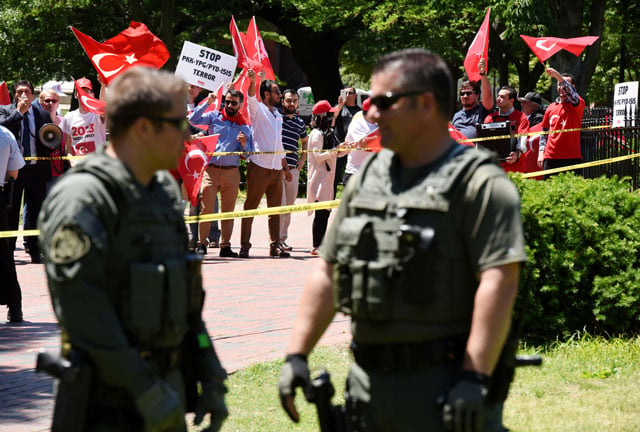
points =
(249, 310)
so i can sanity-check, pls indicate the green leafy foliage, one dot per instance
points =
(584, 268)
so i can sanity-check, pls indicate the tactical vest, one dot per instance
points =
(157, 284)
(401, 256)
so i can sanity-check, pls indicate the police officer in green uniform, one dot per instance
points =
(424, 255)
(126, 292)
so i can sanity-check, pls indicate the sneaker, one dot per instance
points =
(226, 252)
(276, 251)
(284, 246)
(214, 244)
(244, 253)
(201, 249)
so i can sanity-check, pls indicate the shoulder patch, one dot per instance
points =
(68, 244)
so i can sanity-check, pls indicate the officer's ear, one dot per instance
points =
(426, 102)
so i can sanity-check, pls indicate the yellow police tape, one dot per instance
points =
(239, 153)
(219, 216)
(581, 165)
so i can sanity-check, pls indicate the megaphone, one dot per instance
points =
(50, 135)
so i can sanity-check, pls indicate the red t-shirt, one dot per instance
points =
(561, 116)
(519, 125)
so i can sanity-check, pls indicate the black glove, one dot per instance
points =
(295, 373)
(211, 401)
(160, 408)
(465, 405)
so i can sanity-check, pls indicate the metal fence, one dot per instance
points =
(601, 144)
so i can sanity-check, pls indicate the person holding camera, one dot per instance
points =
(10, 162)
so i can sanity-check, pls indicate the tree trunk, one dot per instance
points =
(166, 31)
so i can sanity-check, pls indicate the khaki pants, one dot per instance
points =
(262, 181)
(226, 181)
(289, 195)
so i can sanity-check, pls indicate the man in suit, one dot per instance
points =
(24, 120)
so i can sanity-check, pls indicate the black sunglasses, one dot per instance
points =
(231, 102)
(466, 93)
(385, 101)
(180, 123)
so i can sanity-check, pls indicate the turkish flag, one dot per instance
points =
(478, 49)
(134, 46)
(4, 94)
(238, 40)
(545, 47)
(258, 56)
(89, 103)
(194, 160)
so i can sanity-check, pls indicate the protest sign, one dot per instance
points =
(625, 103)
(204, 67)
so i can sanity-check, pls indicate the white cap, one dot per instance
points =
(55, 86)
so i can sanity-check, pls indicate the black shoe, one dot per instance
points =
(37, 258)
(244, 253)
(226, 252)
(15, 315)
(276, 251)
(201, 249)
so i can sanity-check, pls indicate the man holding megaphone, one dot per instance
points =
(24, 120)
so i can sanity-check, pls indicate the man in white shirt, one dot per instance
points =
(358, 130)
(84, 131)
(265, 171)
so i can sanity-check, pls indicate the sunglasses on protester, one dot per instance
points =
(231, 102)
(387, 100)
(51, 100)
(466, 93)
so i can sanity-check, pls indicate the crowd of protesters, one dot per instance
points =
(265, 124)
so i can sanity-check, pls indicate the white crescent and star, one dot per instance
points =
(97, 58)
(196, 153)
(541, 44)
(91, 103)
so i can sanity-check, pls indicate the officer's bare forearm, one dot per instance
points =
(492, 310)
(315, 311)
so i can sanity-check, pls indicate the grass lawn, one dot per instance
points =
(585, 384)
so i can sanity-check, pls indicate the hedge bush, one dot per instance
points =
(583, 242)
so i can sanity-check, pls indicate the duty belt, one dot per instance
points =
(407, 356)
(163, 359)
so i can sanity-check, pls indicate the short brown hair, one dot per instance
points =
(140, 91)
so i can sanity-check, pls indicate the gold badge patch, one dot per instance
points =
(68, 245)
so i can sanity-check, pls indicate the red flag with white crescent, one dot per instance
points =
(238, 39)
(194, 160)
(545, 47)
(478, 49)
(89, 103)
(258, 56)
(134, 46)
(4, 94)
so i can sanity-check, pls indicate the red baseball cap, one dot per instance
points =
(322, 107)
(84, 83)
